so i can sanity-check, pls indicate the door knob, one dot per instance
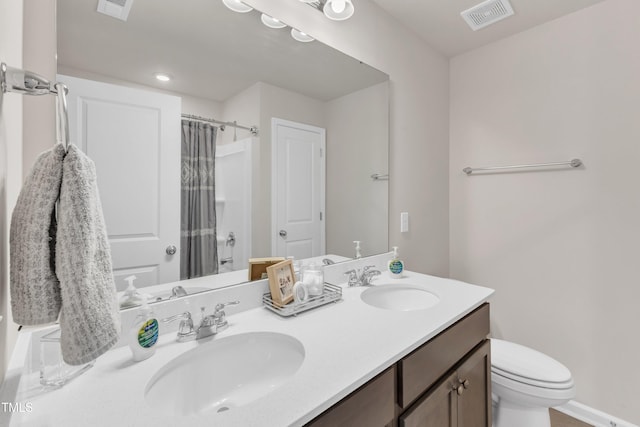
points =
(283, 233)
(171, 250)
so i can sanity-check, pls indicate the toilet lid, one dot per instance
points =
(527, 365)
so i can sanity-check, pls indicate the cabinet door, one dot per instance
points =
(474, 398)
(437, 408)
(420, 370)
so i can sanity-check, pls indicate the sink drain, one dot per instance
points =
(223, 409)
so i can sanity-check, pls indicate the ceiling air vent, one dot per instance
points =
(115, 8)
(487, 13)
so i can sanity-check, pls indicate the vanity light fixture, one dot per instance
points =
(300, 36)
(271, 22)
(237, 6)
(163, 77)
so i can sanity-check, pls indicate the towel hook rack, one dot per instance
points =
(29, 83)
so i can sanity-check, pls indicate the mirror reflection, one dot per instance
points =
(281, 141)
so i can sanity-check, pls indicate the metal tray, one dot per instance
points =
(330, 294)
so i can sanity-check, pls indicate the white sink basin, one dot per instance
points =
(225, 373)
(400, 297)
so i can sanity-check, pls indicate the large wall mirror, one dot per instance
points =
(229, 67)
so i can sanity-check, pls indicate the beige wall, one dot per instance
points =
(244, 108)
(10, 164)
(282, 104)
(39, 56)
(358, 146)
(560, 247)
(419, 91)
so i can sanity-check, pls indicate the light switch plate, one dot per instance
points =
(404, 222)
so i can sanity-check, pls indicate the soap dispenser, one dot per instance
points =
(358, 254)
(131, 296)
(144, 333)
(396, 266)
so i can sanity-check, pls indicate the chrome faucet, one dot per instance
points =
(209, 324)
(364, 278)
(213, 323)
(368, 274)
(177, 292)
(185, 330)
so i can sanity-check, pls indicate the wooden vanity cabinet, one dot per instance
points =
(446, 382)
(461, 399)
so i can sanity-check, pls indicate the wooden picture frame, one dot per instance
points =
(282, 277)
(258, 267)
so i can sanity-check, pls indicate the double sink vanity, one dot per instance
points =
(396, 353)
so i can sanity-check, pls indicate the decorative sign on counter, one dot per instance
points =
(282, 277)
(258, 267)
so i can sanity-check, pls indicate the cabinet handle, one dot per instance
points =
(462, 386)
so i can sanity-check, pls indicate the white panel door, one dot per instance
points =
(133, 136)
(298, 171)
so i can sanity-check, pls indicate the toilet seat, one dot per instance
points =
(527, 366)
(529, 394)
(532, 382)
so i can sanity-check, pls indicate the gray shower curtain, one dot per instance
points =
(198, 242)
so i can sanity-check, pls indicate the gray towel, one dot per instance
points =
(90, 319)
(35, 291)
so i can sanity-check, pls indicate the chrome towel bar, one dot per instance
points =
(574, 163)
(380, 177)
(29, 83)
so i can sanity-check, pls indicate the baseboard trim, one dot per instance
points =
(591, 416)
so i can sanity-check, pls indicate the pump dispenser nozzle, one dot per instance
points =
(131, 296)
(358, 254)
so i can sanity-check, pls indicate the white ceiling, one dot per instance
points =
(214, 53)
(210, 51)
(439, 23)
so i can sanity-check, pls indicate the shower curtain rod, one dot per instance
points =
(252, 129)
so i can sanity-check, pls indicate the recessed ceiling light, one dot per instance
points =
(237, 6)
(300, 36)
(163, 77)
(271, 22)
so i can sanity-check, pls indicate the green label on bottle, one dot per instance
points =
(148, 333)
(396, 266)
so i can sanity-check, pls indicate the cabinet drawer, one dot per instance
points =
(371, 405)
(421, 369)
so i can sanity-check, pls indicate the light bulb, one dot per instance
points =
(300, 36)
(237, 6)
(271, 22)
(338, 6)
(163, 77)
(338, 10)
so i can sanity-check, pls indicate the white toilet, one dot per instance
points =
(525, 384)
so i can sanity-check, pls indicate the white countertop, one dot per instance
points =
(346, 344)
